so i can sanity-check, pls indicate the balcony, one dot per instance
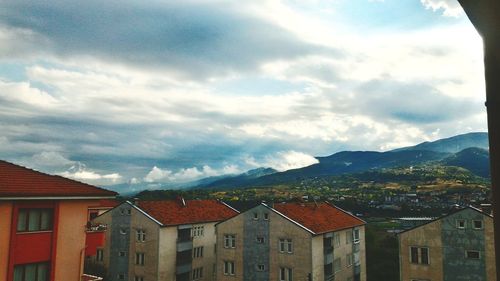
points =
(95, 237)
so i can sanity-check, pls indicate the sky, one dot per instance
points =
(152, 93)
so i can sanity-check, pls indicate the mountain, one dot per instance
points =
(241, 179)
(473, 159)
(452, 144)
(467, 151)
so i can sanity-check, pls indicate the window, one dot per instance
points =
(286, 274)
(261, 267)
(32, 272)
(255, 216)
(121, 276)
(472, 255)
(139, 258)
(337, 265)
(419, 255)
(260, 240)
(93, 215)
(140, 235)
(461, 224)
(228, 267)
(197, 273)
(266, 216)
(34, 220)
(285, 246)
(230, 241)
(198, 252)
(121, 253)
(348, 237)
(129, 211)
(336, 240)
(197, 231)
(477, 224)
(138, 278)
(355, 235)
(123, 231)
(99, 256)
(349, 259)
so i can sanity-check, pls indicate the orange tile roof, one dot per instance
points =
(17, 181)
(318, 217)
(173, 212)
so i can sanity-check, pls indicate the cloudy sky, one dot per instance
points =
(125, 91)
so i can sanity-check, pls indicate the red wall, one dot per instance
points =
(32, 247)
(93, 240)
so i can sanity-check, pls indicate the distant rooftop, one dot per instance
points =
(17, 182)
(178, 212)
(318, 217)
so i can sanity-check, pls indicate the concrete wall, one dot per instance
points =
(318, 258)
(256, 253)
(456, 241)
(490, 249)
(429, 236)
(71, 239)
(301, 258)
(150, 247)
(362, 252)
(167, 253)
(207, 241)
(231, 226)
(5, 223)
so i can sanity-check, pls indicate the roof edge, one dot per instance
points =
(56, 198)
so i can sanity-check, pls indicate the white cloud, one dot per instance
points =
(50, 159)
(93, 177)
(451, 8)
(283, 160)
(188, 174)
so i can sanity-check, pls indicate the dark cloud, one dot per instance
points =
(411, 102)
(198, 39)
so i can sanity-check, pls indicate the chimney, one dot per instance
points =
(181, 201)
(135, 201)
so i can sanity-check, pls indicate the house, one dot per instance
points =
(291, 241)
(43, 227)
(161, 240)
(457, 246)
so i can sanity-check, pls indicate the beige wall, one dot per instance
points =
(71, 239)
(150, 247)
(5, 222)
(301, 258)
(362, 252)
(231, 226)
(318, 258)
(207, 241)
(490, 249)
(429, 236)
(168, 253)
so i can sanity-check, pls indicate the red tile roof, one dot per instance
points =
(17, 181)
(173, 212)
(318, 217)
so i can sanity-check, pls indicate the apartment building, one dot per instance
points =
(169, 240)
(43, 233)
(458, 246)
(291, 241)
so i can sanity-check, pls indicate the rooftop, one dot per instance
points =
(177, 212)
(318, 217)
(20, 182)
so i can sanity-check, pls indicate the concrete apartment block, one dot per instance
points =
(291, 241)
(458, 246)
(162, 240)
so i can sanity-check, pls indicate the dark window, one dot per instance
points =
(32, 272)
(34, 220)
(99, 255)
(472, 255)
(266, 216)
(414, 255)
(139, 258)
(478, 224)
